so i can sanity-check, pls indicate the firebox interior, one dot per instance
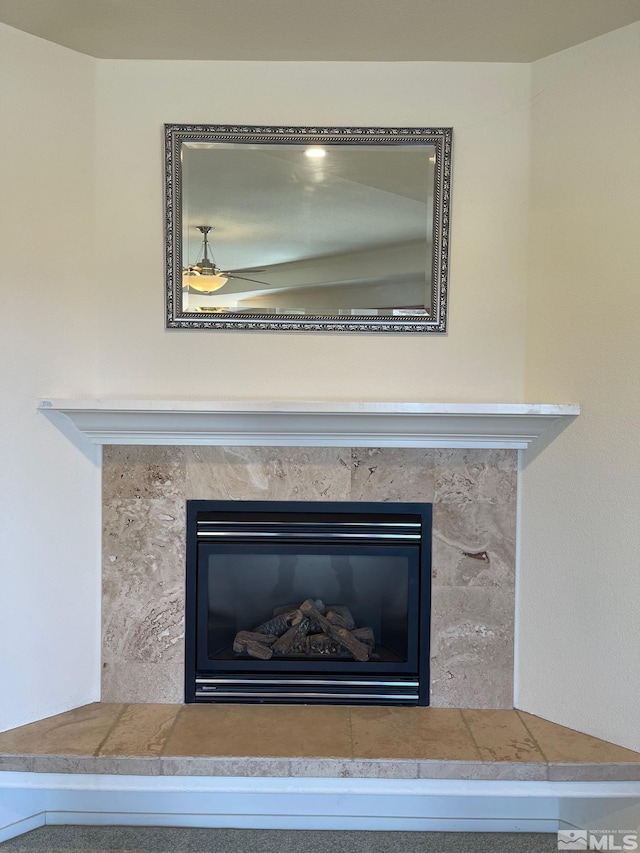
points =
(308, 602)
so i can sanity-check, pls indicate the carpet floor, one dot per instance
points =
(129, 839)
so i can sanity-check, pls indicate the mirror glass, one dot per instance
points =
(333, 229)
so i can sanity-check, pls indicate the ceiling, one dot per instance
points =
(320, 30)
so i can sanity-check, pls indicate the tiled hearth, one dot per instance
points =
(474, 528)
(297, 741)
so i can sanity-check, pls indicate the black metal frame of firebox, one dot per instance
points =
(251, 681)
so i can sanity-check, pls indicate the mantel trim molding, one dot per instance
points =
(309, 424)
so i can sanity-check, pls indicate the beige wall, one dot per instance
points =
(579, 631)
(49, 489)
(482, 358)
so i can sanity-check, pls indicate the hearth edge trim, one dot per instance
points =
(309, 424)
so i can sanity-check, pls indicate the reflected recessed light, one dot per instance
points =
(315, 152)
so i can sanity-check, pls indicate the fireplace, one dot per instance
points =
(308, 602)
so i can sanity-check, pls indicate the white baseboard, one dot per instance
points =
(31, 799)
(19, 827)
(319, 822)
(21, 810)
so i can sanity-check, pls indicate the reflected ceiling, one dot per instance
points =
(270, 204)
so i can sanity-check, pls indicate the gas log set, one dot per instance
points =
(309, 630)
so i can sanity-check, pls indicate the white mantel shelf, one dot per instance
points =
(309, 424)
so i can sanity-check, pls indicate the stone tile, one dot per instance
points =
(411, 733)
(383, 769)
(81, 764)
(501, 736)
(237, 766)
(474, 518)
(49, 763)
(268, 473)
(141, 730)
(472, 648)
(587, 772)
(392, 474)
(459, 565)
(143, 537)
(77, 732)
(330, 768)
(560, 744)
(132, 681)
(507, 770)
(354, 769)
(454, 688)
(269, 731)
(142, 472)
(143, 581)
(473, 475)
(144, 624)
(126, 766)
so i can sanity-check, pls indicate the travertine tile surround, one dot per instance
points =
(474, 498)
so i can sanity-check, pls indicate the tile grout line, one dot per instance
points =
(350, 733)
(468, 728)
(528, 730)
(110, 731)
(161, 753)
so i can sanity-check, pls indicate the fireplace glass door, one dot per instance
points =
(307, 603)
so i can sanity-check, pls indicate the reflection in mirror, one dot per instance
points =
(325, 229)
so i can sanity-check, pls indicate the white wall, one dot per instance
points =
(580, 551)
(482, 358)
(49, 489)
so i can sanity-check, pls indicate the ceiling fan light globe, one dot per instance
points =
(204, 283)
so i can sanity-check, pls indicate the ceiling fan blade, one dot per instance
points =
(243, 278)
(246, 269)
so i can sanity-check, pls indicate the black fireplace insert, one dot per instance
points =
(308, 602)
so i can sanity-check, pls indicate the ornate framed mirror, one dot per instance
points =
(307, 229)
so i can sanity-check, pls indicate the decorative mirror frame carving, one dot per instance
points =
(177, 134)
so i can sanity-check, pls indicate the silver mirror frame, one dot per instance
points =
(176, 134)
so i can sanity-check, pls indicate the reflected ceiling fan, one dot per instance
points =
(206, 276)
